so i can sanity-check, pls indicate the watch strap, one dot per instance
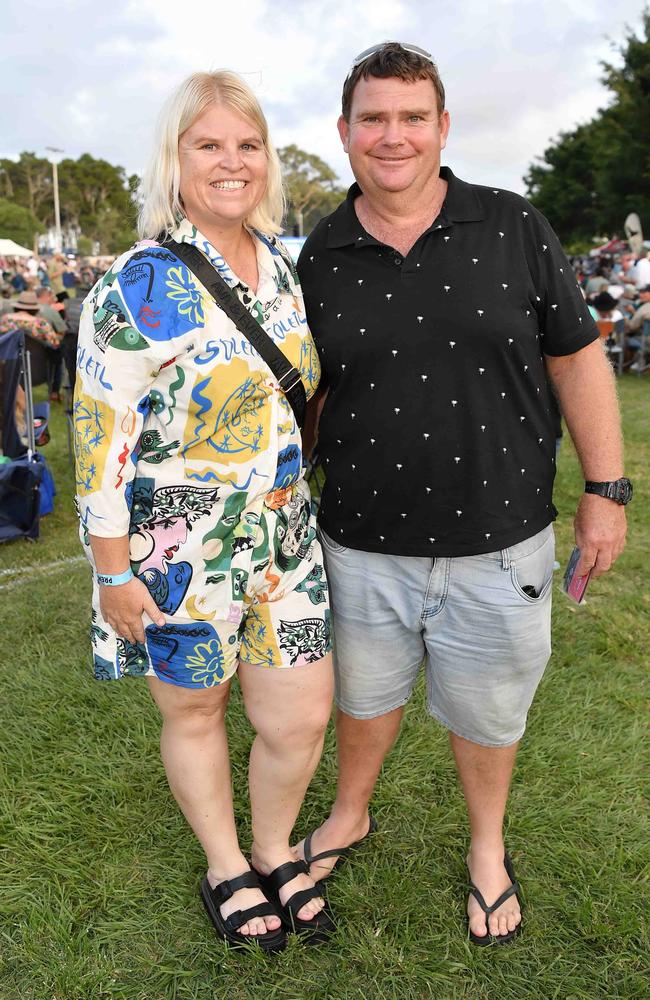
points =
(619, 490)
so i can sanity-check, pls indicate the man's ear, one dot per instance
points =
(344, 132)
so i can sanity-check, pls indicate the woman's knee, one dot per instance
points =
(191, 708)
(302, 728)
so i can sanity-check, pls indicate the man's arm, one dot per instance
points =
(312, 418)
(586, 389)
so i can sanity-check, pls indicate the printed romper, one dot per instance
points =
(184, 441)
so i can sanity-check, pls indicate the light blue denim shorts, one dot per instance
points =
(483, 640)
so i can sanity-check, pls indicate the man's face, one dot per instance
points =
(394, 136)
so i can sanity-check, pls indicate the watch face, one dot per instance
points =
(624, 491)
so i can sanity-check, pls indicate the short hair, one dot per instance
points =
(41, 291)
(392, 60)
(161, 208)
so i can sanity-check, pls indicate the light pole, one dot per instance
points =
(55, 158)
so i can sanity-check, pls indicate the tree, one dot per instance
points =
(96, 196)
(17, 223)
(589, 179)
(28, 183)
(311, 185)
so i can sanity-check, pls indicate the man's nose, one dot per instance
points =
(393, 133)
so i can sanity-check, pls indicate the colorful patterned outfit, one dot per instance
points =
(35, 326)
(184, 441)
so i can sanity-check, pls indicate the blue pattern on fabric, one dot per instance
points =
(186, 655)
(161, 296)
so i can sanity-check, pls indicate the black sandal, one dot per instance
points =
(227, 927)
(512, 890)
(340, 852)
(314, 931)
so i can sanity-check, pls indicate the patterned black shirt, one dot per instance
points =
(437, 436)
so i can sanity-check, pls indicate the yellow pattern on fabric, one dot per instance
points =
(228, 420)
(258, 645)
(93, 432)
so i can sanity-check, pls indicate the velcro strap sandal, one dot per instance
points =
(314, 931)
(228, 927)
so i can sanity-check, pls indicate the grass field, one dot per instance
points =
(99, 872)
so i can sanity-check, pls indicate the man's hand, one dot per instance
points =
(122, 607)
(600, 528)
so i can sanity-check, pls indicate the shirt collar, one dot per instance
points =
(461, 204)
(267, 288)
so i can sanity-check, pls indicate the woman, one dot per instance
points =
(194, 512)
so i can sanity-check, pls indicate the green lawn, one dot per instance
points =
(99, 874)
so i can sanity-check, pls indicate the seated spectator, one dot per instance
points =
(643, 312)
(604, 307)
(25, 317)
(50, 309)
(6, 304)
(598, 282)
(18, 281)
(641, 271)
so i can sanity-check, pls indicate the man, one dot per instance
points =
(642, 313)
(48, 310)
(637, 325)
(56, 268)
(436, 306)
(641, 271)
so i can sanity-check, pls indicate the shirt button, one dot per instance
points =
(397, 259)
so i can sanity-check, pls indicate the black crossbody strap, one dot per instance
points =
(287, 376)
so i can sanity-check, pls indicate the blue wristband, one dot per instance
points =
(111, 580)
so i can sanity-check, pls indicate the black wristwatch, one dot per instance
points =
(620, 490)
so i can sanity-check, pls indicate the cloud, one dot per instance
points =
(88, 78)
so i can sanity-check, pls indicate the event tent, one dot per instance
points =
(8, 248)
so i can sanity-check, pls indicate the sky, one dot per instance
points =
(89, 77)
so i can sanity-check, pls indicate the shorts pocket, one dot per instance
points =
(329, 544)
(532, 572)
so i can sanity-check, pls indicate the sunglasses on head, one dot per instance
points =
(415, 49)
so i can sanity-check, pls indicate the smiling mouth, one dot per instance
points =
(229, 185)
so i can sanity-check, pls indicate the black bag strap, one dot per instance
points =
(288, 377)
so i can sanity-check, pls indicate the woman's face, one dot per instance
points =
(223, 169)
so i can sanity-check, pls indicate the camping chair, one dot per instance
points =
(26, 485)
(613, 334)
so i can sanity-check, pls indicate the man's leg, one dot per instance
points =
(362, 745)
(485, 774)
(481, 682)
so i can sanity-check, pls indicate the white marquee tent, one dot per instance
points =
(8, 248)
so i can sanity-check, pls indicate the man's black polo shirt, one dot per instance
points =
(436, 436)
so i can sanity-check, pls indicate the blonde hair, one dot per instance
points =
(162, 209)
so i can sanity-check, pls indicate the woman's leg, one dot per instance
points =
(195, 754)
(289, 709)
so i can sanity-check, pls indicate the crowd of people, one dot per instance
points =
(43, 297)
(617, 290)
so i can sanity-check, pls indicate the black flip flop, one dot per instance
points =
(512, 890)
(314, 931)
(341, 852)
(227, 927)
